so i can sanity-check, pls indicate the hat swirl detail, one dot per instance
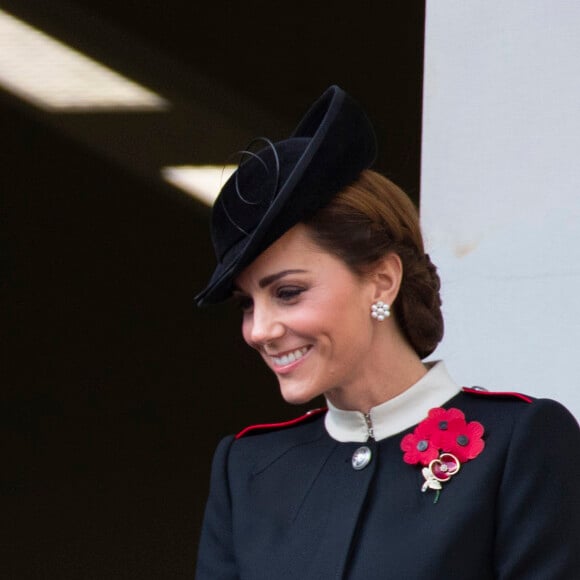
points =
(285, 182)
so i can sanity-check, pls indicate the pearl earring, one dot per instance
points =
(380, 310)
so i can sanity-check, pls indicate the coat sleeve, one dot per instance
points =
(216, 560)
(538, 517)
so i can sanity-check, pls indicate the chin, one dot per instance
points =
(297, 395)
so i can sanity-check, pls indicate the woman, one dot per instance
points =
(405, 475)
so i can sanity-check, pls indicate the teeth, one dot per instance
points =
(290, 357)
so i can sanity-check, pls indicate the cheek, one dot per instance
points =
(305, 322)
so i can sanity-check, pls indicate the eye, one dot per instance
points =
(244, 303)
(288, 293)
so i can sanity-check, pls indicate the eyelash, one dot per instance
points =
(244, 303)
(288, 293)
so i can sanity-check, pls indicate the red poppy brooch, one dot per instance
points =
(441, 443)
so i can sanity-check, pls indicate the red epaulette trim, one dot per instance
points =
(283, 424)
(498, 394)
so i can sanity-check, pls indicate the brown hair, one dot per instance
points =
(363, 223)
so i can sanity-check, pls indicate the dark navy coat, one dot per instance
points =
(287, 504)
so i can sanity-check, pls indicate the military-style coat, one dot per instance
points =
(286, 503)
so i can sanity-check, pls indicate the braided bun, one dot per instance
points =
(363, 223)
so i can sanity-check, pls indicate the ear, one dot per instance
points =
(387, 276)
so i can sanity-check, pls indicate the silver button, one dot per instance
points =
(361, 458)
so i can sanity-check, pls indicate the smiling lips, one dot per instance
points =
(290, 357)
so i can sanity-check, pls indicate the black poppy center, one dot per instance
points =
(422, 445)
(462, 440)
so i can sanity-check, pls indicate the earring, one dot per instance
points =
(380, 310)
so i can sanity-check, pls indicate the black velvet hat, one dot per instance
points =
(286, 182)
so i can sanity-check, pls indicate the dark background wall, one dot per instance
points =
(115, 389)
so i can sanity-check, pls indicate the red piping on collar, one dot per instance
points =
(283, 424)
(498, 394)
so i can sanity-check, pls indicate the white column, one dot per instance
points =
(500, 194)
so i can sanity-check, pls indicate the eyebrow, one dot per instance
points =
(266, 281)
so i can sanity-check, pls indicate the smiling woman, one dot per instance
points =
(304, 319)
(326, 260)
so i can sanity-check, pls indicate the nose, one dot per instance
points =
(262, 326)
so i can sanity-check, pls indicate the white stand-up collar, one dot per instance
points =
(395, 415)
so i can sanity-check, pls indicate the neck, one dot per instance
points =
(394, 367)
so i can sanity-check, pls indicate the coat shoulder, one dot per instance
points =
(485, 393)
(261, 428)
(507, 407)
